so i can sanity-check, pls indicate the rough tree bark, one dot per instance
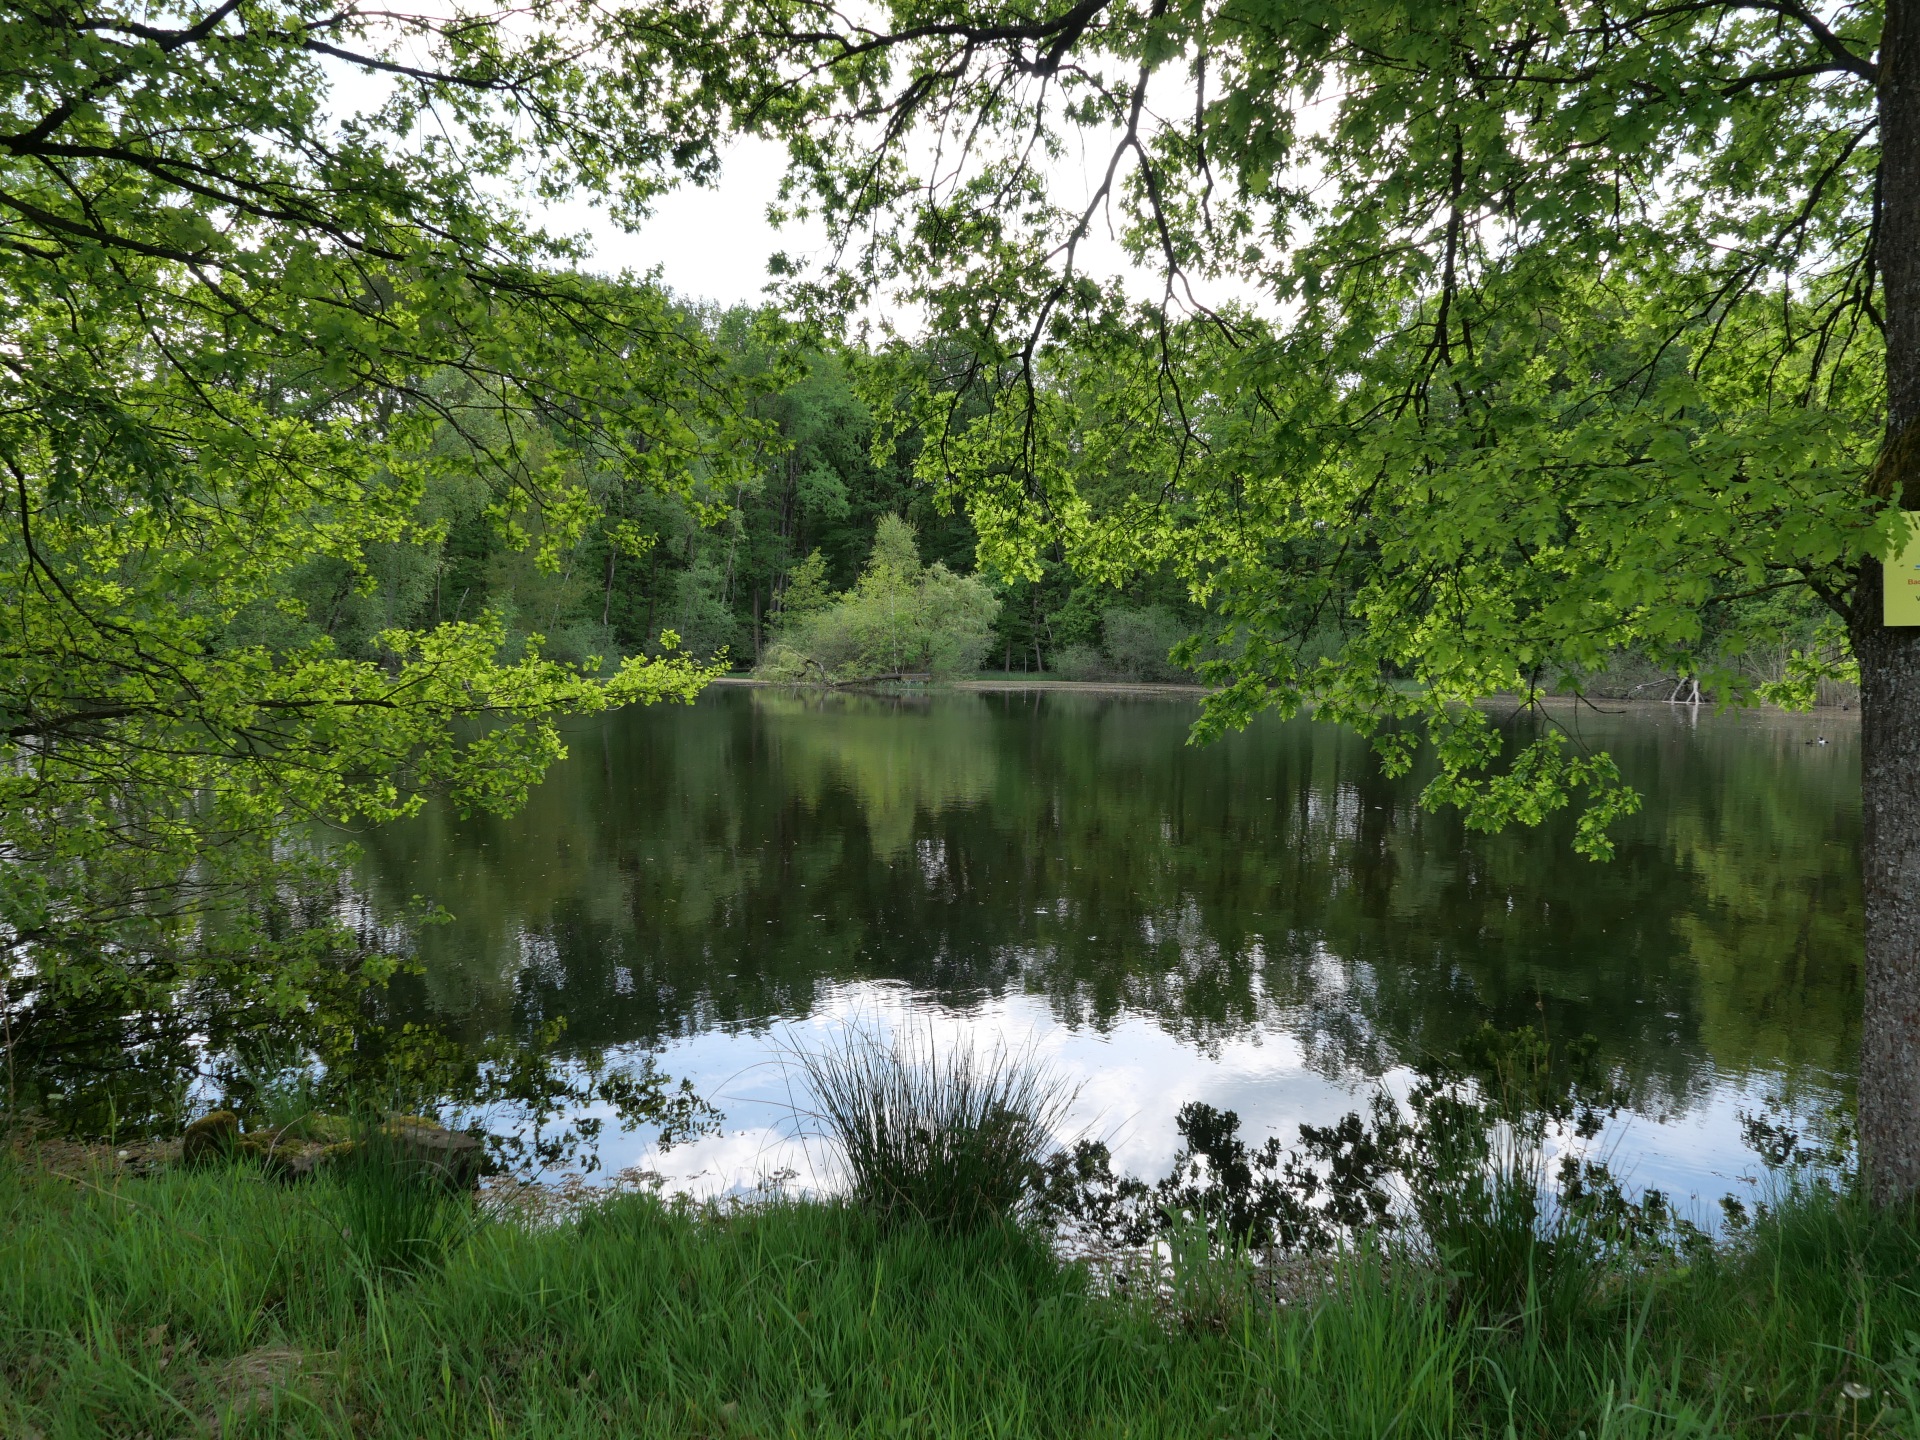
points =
(1890, 665)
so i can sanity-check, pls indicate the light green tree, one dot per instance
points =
(246, 330)
(806, 592)
(900, 618)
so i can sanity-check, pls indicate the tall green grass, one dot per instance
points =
(950, 1136)
(165, 1306)
(396, 1214)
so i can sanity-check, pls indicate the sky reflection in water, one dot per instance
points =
(1267, 923)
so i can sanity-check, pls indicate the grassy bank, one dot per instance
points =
(217, 1302)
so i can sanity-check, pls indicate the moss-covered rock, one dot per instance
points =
(315, 1142)
(211, 1137)
(299, 1162)
(455, 1159)
(328, 1129)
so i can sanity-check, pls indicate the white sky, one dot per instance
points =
(708, 243)
(714, 242)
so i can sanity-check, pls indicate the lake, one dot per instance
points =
(1267, 923)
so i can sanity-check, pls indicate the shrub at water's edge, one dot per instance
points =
(1458, 1177)
(1137, 646)
(900, 618)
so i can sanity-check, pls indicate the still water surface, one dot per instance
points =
(1267, 923)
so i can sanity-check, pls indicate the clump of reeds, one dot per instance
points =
(396, 1213)
(950, 1136)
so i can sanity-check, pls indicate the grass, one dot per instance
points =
(217, 1302)
(951, 1137)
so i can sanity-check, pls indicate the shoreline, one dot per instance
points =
(1176, 690)
(348, 1310)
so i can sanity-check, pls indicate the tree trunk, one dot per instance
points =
(1890, 665)
(1890, 856)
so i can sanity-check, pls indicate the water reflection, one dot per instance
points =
(1066, 863)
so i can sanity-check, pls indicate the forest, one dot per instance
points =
(733, 569)
(718, 566)
(1430, 376)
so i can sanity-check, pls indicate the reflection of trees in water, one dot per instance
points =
(718, 866)
(901, 757)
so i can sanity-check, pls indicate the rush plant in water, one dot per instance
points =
(949, 1135)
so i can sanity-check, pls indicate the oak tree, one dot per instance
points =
(263, 276)
(1491, 339)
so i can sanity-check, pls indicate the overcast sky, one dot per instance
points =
(713, 242)
(710, 243)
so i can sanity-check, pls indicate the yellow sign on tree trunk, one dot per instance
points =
(1901, 578)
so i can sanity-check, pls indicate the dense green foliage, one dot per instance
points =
(157, 1306)
(1483, 342)
(901, 617)
(265, 354)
